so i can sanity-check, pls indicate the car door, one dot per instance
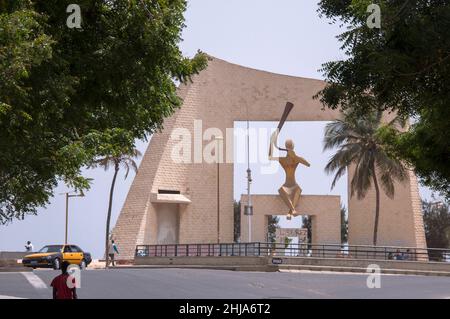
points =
(68, 255)
(77, 254)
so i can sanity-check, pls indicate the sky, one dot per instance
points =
(283, 36)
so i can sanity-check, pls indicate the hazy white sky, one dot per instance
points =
(284, 36)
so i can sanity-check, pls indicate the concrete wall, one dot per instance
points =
(12, 254)
(401, 221)
(293, 261)
(8, 259)
(364, 263)
(220, 95)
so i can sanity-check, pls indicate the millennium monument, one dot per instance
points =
(290, 191)
(191, 201)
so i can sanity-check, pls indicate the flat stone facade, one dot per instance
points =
(220, 95)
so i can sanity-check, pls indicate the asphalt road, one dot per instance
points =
(218, 284)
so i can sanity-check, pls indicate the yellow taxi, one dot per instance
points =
(51, 256)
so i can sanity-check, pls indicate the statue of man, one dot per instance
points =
(290, 191)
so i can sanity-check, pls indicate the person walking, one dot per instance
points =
(61, 289)
(112, 251)
(29, 247)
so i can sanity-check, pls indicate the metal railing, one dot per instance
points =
(296, 250)
(199, 250)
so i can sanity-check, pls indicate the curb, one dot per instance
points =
(261, 268)
(364, 270)
(286, 267)
(15, 269)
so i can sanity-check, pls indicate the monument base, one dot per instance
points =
(325, 211)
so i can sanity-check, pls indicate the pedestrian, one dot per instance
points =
(112, 252)
(61, 289)
(407, 255)
(29, 247)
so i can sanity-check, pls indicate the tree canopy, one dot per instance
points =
(69, 96)
(436, 218)
(404, 66)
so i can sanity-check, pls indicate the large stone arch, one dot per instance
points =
(220, 95)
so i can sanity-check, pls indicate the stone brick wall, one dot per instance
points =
(220, 95)
(401, 220)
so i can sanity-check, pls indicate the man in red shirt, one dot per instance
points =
(61, 290)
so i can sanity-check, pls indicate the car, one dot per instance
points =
(51, 256)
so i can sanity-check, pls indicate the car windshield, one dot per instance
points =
(51, 249)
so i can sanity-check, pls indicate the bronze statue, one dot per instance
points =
(290, 191)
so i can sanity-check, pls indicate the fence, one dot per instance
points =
(295, 250)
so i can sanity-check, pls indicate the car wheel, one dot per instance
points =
(83, 264)
(33, 267)
(56, 264)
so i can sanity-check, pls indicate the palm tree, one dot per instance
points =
(125, 160)
(357, 141)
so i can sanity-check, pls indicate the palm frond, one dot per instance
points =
(124, 160)
(340, 172)
(387, 184)
(337, 133)
(343, 158)
(361, 180)
(390, 168)
(129, 163)
(127, 169)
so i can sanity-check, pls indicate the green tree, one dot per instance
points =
(63, 91)
(436, 218)
(358, 143)
(344, 224)
(287, 242)
(115, 160)
(307, 223)
(236, 220)
(272, 226)
(404, 67)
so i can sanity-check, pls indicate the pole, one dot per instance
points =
(218, 204)
(67, 216)
(218, 187)
(67, 212)
(249, 181)
(249, 204)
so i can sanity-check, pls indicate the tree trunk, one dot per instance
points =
(108, 218)
(377, 205)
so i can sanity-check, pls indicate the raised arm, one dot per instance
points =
(273, 142)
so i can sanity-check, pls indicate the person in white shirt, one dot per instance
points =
(29, 246)
(112, 251)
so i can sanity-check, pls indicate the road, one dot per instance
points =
(222, 284)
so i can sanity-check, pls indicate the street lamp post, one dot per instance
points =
(248, 209)
(218, 139)
(68, 195)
